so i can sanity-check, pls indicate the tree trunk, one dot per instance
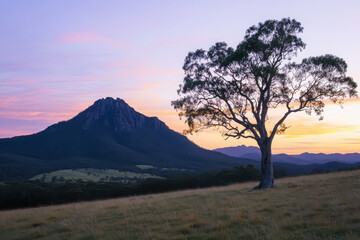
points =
(267, 169)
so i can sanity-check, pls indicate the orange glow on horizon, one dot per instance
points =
(337, 133)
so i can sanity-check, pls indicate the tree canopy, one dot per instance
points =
(234, 89)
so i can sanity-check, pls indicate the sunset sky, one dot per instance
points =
(58, 57)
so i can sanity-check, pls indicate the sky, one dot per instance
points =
(58, 57)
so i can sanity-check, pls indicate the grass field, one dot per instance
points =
(92, 174)
(325, 206)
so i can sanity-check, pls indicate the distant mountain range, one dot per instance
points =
(112, 135)
(301, 159)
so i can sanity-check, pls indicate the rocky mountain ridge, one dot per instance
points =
(113, 114)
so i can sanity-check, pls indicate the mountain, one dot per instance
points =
(323, 158)
(301, 159)
(112, 135)
(108, 135)
(239, 151)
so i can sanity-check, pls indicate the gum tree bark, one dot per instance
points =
(235, 90)
(267, 169)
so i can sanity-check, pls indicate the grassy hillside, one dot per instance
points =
(92, 174)
(324, 206)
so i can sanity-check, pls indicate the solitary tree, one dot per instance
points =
(234, 89)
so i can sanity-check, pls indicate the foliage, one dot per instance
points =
(17, 194)
(234, 89)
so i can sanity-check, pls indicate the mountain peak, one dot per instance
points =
(117, 115)
(238, 151)
(109, 100)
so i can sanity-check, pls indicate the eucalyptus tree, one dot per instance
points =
(236, 89)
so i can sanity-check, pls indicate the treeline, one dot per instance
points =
(20, 194)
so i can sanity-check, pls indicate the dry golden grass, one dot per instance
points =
(323, 206)
(92, 174)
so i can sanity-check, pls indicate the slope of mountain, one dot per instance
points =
(107, 135)
(301, 159)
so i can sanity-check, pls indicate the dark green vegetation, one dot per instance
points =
(322, 206)
(19, 194)
(16, 194)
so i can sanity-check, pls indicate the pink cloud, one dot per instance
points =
(24, 114)
(81, 37)
(30, 105)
